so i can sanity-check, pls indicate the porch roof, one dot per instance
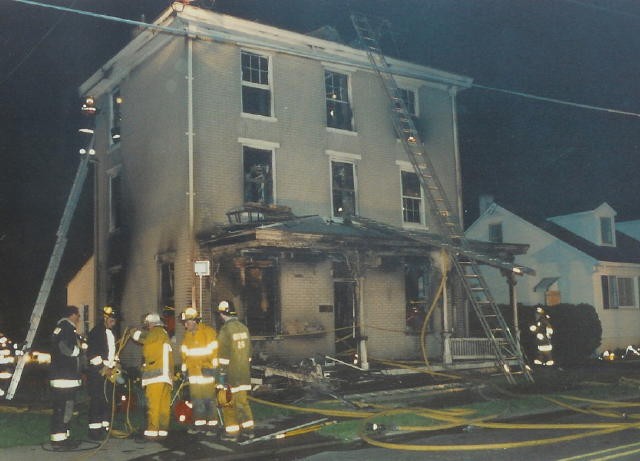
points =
(319, 234)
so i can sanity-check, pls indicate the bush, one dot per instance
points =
(577, 332)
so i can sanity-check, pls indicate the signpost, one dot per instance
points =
(202, 269)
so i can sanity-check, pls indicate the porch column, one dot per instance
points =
(362, 342)
(513, 296)
(447, 358)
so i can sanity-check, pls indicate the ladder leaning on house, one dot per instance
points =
(509, 356)
(52, 267)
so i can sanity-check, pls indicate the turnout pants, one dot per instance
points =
(158, 409)
(62, 400)
(100, 397)
(238, 415)
(204, 405)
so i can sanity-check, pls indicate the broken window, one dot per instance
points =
(337, 97)
(116, 116)
(258, 175)
(343, 188)
(411, 198)
(417, 294)
(256, 90)
(115, 200)
(260, 300)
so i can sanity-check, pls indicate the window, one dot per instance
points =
(411, 198)
(338, 106)
(258, 175)
(343, 188)
(409, 99)
(495, 233)
(606, 231)
(115, 287)
(256, 89)
(617, 292)
(115, 201)
(417, 292)
(116, 116)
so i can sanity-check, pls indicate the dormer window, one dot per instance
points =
(495, 232)
(606, 231)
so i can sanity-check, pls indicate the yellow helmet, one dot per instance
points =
(109, 312)
(189, 313)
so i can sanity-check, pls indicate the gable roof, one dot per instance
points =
(627, 249)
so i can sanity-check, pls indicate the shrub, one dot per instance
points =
(577, 332)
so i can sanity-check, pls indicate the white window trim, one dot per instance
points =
(349, 74)
(612, 228)
(271, 116)
(405, 166)
(262, 145)
(343, 157)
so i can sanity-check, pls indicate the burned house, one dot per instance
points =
(244, 162)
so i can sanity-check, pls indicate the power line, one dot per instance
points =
(175, 31)
(555, 101)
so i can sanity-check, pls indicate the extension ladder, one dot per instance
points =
(509, 357)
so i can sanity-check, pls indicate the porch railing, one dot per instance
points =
(471, 349)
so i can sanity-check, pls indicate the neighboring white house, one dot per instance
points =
(578, 258)
(255, 149)
(631, 228)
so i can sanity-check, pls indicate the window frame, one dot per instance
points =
(416, 307)
(406, 168)
(606, 230)
(347, 161)
(268, 87)
(613, 292)
(267, 149)
(493, 235)
(349, 125)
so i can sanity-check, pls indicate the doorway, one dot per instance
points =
(344, 301)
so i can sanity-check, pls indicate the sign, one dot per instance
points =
(201, 268)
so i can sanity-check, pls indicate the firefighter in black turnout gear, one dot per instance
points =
(64, 377)
(103, 370)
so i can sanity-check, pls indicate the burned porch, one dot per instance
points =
(355, 290)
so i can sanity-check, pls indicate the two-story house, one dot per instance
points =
(578, 258)
(233, 162)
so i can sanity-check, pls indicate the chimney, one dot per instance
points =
(485, 201)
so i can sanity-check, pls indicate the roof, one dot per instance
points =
(317, 233)
(201, 24)
(627, 249)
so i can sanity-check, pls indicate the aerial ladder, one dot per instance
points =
(54, 260)
(508, 354)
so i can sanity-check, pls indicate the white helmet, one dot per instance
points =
(152, 319)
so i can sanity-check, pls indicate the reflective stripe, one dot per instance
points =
(240, 336)
(545, 348)
(199, 422)
(222, 361)
(58, 437)
(149, 433)
(241, 387)
(247, 424)
(201, 380)
(97, 360)
(163, 433)
(76, 351)
(111, 348)
(65, 383)
(95, 426)
(106, 424)
(232, 429)
(212, 423)
(136, 335)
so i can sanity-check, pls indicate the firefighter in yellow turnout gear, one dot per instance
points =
(199, 362)
(234, 378)
(157, 375)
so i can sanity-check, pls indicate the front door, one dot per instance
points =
(344, 302)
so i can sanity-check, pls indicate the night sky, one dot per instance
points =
(546, 158)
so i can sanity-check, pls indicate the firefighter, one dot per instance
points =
(234, 377)
(103, 369)
(157, 375)
(64, 377)
(543, 332)
(199, 353)
(7, 363)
